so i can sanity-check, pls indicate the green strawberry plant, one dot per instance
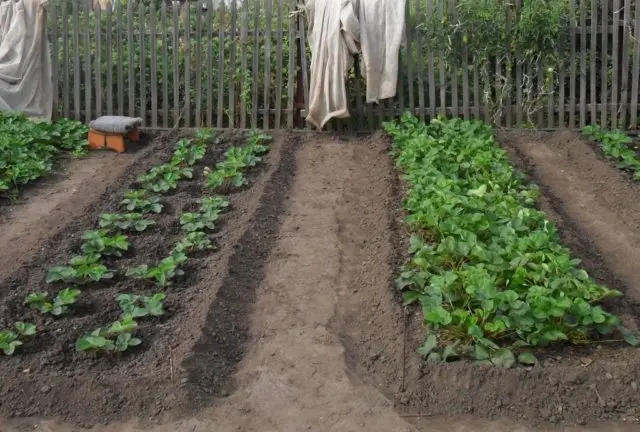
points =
(140, 201)
(486, 266)
(615, 146)
(99, 242)
(164, 178)
(126, 222)
(136, 306)
(163, 273)
(191, 222)
(57, 306)
(193, 241)
(81, 269)
(10, 340)
(188, 152)
(118, 337)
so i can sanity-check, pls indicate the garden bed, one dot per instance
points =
(47, 376)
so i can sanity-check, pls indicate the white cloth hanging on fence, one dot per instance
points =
(25, 64)
(339, 29)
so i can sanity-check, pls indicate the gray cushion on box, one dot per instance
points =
(115, 124)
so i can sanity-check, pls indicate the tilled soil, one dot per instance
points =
(48, 378)
(294, 324)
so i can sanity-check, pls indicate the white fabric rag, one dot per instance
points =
(339, 29)
(25, 65)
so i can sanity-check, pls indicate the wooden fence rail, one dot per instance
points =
(246, 64)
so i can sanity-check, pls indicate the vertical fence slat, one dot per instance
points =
(604, 58)
(624, 97)
(442, 79)
(232, 63)
(562, 82)
(304, 65)
(55, 71)
(120, 41)
(143, 64)
(221, 48)
(66, 90)
(98, 61)
(431, 67)
(130, 60)
(198, 118)
(164, 30)
(87, 66)
(255, 66)
(594, 53)
(615, 57)
(410, 58)
(187, 63)
(244, 42)
(508, 72)
(635, 70)
(176, 64)
(519, 114)
(109, 49)
(541, 87)
(572, 65)
(268, 7)
(76, 62)
(154, 65)
(210, 57)
(583, 63)
(292, 66)
(454, 69)
(279, 65)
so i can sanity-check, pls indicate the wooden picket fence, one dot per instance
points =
(246, 65)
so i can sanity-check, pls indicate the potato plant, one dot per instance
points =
(10, 340)
(137, 306)
(135, 222)
(81, 270)
(100, 243)
(193, 241)
(118, 337)
(163, 273)
(141, 201)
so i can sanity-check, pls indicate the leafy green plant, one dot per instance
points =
(140, 201)
(29, 149)
(10, 340)
(136, 306)
(165, 177)
(126, 222)
(81, 269)
(118, 337)
(163, 273)
(615, 146)
(57, 306)
(486, 266)
(188, 152)
(100, 243)
(193, 241)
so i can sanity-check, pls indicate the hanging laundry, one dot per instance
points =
(339, 29)
(25, 65)
(333, 31)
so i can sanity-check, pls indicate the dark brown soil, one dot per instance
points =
(48, 378)
(598, 214)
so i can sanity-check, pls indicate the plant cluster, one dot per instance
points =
(118, 337)
(615, 146)
(10, 340)
(237, 159)
(58, 305)
(136, 306)
(487, 267)
(28, 149)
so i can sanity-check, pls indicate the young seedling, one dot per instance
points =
(162, 274)
(99, 242)
(57, 306)
(82, 269)
(194, 241)
(188, 152)
(9, 340)
(126, 222)
(164, 178)
(116, 337)
(136, 306)
(139, 201)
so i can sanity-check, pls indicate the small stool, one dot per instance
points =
(112, 131)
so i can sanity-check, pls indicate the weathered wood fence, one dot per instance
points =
(245, 64)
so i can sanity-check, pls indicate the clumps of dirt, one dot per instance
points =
(48, 378)
(589, 201)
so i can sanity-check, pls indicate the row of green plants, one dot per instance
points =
(616, 146)
(111, 239)
(28, 149)
(486, 266)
